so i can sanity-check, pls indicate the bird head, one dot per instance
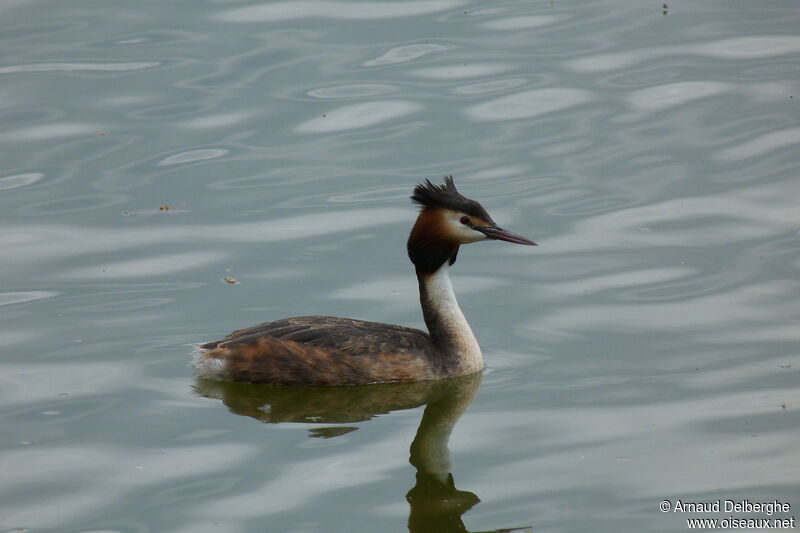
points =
(446, 221)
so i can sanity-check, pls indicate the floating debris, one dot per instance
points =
(162, 210)
(230, 280)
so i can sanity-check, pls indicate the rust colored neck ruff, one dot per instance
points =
(447, 325)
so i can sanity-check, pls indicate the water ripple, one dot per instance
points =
(471, 70)
(358, 116)
(751, 47)
(528, 104)
(158, 265)
(619, 280)
(757, 212)
(522, 22)
(19, 180)
(356, 90)
(485, 87)
(663, 96)
(218, 120)
(40, 30)
(9, 298)
(759, 146)
(72, 204)
(172, 110)
(192, 156)
(404, 54)
(49, 131)
(303, 9)
(712, 315)
(121, 303)
(36, 243)
(79, 67)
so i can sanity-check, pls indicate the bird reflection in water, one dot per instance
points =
(436, 505)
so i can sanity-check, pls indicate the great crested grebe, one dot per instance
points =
(325, 350)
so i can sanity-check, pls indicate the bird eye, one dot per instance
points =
(464, 220)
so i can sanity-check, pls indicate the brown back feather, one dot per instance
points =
(319, 350)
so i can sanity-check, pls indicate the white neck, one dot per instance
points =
(446, 323)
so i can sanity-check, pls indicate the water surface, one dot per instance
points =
(646, 350)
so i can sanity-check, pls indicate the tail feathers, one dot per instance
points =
(206, 366)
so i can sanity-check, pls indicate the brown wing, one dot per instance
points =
(319, 350)
(350, 336)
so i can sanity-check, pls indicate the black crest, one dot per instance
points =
(446, 196)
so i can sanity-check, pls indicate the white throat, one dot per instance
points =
(446, 322)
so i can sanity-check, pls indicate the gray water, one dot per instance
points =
(646, 350)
